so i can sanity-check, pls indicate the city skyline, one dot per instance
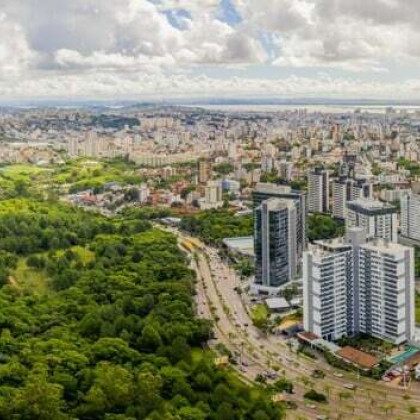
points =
(166, 49)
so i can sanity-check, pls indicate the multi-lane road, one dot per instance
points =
(217, 299)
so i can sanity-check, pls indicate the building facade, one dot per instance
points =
(275, 240)
(318, 191)
(347, 189)
(379, 219)
(265, 191)
(410, 216)
(355, 285)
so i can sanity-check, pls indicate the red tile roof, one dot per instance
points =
(358, 357)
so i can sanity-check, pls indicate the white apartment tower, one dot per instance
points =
(327, 297)
(318, 191)
(377, 218)
(386, 291)
(355, 285)
(410, 216)
(347, 189)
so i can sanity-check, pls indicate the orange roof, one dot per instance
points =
(358, 357)
(307, 335)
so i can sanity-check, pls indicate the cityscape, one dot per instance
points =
(299, 229)
(209, 210)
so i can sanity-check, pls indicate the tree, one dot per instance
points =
(315, 396)
(150, 340)
(37, 400)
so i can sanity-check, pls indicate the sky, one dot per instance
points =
(162, 49)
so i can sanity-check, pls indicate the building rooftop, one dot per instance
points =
(378, 244)
(357, 357)
(371, 206)
(277, 303)
(242, 244)
(269, 188)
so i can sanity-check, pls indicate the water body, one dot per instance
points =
(332, 109)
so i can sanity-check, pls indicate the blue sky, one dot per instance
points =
(210, 48)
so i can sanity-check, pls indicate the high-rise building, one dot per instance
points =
(346, 189)
(213, 194)
(377, 218)
(73, 146)
(204, 171)
(386, 291)
(264, 191)
(410, 216)
(318, 191)
(327, 293)
(275, 238)
(353, 285)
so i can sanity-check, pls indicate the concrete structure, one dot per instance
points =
(346, 189)
(264, 191)
(327, 297)
(204, 171)
(353, 285)
(386, 291)
(410, 216)
(318, 191)
(377, 218)
(275, 242)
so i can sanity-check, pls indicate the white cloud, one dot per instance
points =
(123, 47)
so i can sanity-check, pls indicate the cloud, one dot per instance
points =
(102, 47)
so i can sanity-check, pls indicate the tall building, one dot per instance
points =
(318, 191)
(213, 194)
(204, 171)
(410, 216)
(264, 191)
(386, 291)
(353, 285)
(347, 189)
(327, 293)
(377, 218)
(73, 146)
(275, 240)
(91, 144)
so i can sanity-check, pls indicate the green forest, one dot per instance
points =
(97, 322)
(214, 225)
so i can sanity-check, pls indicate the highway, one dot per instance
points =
(217, 299)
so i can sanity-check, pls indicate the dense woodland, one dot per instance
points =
(107, 328)
(214, 225)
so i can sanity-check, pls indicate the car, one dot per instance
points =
(245, 363)
(338, 375)
(243, 369)
(321, 417)
(318, 374)
(271, 374)
(311, 406)
(350, 386)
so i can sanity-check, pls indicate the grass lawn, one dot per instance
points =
(29, 278)
(259, 312)
(85, 254)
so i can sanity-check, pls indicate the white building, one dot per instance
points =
(346, 189)
(377, 218)
(386, 291)
(353, 285)
(318, 191)
(326, 296)
(73, 146)
(410, 216)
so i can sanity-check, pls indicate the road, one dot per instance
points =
(217, 300)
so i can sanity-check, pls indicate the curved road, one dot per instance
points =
(217, 300)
